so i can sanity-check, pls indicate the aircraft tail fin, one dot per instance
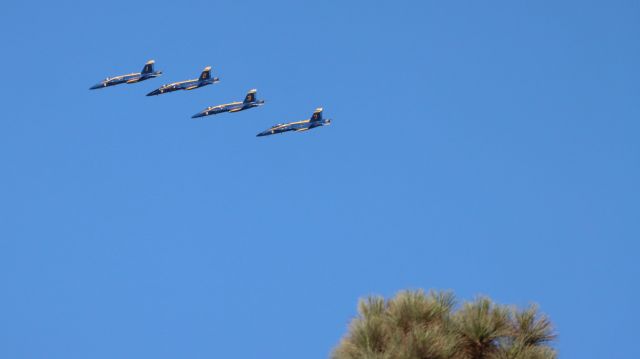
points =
(317, 115)
(148, 67)
(251, 96)
(206, 73)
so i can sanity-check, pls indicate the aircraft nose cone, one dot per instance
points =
(153, 93)
(197, 115)
(96, 86)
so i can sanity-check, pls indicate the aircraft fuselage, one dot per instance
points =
(229, 107)
(183, 85)
(298, 126)
(129, 78)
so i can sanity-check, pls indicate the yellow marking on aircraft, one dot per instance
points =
(122, 76)
(131, 74)
(177, 83)
(290, 124)
(181, 82)
(223, 105)
(299, 122)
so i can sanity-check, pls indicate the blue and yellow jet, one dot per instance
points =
(147, 73)
(250, 101)
(316, 120)
(204, 80)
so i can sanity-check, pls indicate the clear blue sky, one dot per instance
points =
(483, 147)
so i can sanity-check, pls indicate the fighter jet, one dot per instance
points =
(147, 73)
(250, 101)
(316, 120)
(204, 80)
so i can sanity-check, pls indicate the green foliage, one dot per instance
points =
(417, 325)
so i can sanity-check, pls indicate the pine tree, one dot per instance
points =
(416, 325)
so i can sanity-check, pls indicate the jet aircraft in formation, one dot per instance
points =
(250, 100)
(316, 120)
(147, 73)
(204, 80)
